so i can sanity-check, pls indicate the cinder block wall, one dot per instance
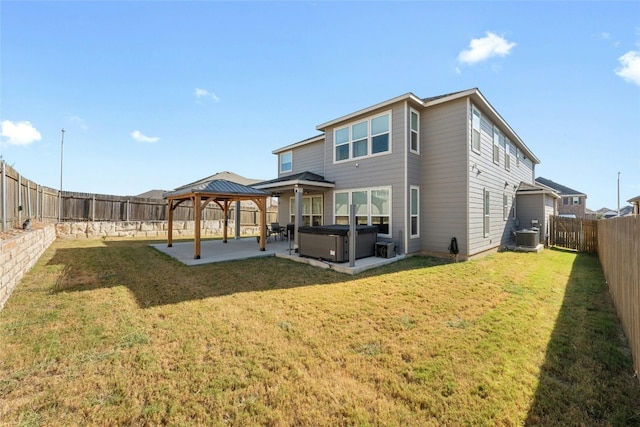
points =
(150, 229)
(18, 254)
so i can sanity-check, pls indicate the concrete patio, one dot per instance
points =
(245, 248)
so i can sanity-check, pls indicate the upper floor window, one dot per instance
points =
(475, 137)
(364, 138)
(415, 132)
(507, 154)
(286, 161)
(496, 145)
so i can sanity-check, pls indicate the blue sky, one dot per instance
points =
(153, 95)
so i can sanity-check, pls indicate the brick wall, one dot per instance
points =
(18, 254)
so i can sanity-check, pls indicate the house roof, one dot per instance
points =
(634, 199)
(559, 188)
(526, 188)
(287, 182)
(474, 93)
(152, 194)
(224, 175)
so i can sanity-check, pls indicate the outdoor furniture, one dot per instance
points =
(276, 230)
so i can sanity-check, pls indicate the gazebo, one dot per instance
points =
(221, 192)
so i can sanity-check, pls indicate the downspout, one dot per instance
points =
(406, 181)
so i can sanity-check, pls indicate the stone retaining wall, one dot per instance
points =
(18, 253)
(150, 229)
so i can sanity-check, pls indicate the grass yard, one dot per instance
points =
(116, 333)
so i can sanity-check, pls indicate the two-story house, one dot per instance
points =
(422, 170)
(573, 202)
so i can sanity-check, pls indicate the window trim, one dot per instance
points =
(496, 145)
(311, 215)
(413, 188)
(280, 157)
(486, 212)
(507, 154)
(479, 130)
(370, 136)
(505, 207)
(369, 214)
(417, 131)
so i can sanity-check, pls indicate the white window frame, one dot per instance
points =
(496, 145)
(370, 136)
(368, 214)
(507, 154)
(311, 215)
(486, 212)
(280, 161)
(513, 207)
(475, 112)
(412, 215)
(413, 131)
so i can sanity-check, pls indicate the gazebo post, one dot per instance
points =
(226, 223)
(263, 223)
(197, 213)
(170, 230)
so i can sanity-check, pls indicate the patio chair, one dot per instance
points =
(276, 230)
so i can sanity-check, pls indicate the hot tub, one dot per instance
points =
(331, 242)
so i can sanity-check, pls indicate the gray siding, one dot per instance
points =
(385, 170)
(444, 178)
(309, 157)
(483, 174)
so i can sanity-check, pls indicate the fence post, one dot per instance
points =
(93, 209)
(19, 199)
(28, 199)
(128, 208)
(4, 197)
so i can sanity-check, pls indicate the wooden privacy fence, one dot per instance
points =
(619, 253)
(21, 198)
(574, 233)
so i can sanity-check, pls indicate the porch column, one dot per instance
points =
(298, 220)
(225, 212)
(237, 219)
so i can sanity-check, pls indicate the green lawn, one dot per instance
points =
(116, 333)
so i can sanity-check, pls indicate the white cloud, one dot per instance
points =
(78, 121)
(484, 48)
(203, 93)
(630, 67)
(20, 133)
(138, 136)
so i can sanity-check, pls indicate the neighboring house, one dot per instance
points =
(422, 170)
(635, 202)
(573, 202)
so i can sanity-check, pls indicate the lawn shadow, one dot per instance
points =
(587, 375)
(158, 279)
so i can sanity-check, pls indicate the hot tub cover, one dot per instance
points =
(336, 229)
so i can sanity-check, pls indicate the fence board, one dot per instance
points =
(26, 199)
(619, 253)
(574, 233)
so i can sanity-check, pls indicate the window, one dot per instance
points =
(513, 207)
(486, 212)
(311, 210)
(372, 207)
(415, 211)
(507, 154)
(415, 132)
(496, 145)
(517, 157)
(576, 200)
(565, 200)
(475, 137)
(505, 207)
(286, 161)
(361, 139)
